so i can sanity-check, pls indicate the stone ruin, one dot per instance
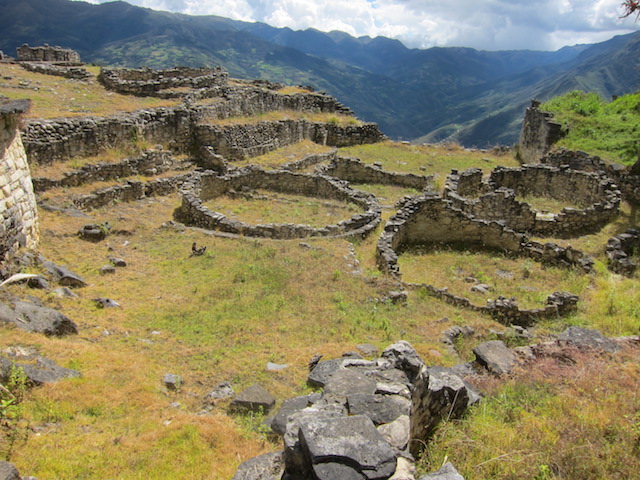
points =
(622, 252)
(372, 418)
(540, 132)
(368, 422)
(431, 219)
(146, 82)
(496, 198)
(46, 53)
(208, 185)
(19, 226)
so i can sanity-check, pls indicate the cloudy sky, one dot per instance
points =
(480, 24)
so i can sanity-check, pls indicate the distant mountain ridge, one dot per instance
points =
(473, 96)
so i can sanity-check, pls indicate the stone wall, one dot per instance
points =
(538, 133)
(310, 160)
(250, 101)
(148, 82)
(496, 198)
(131, 191)
(182, 128)
(355, 171)
(76, 73)
(208, 185)
(236, 142)
(47, 141)
(17, 200)
(627, 180)
(149, 163)
(430, 219)
(622, 252)
(47, 53)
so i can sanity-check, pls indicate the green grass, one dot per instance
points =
(568, 417)
(52, 97)
(272, 207)
(223, 315)
(529, 282)
(435, 160)
(608, 129)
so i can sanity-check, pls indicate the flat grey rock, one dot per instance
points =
(403, 356)
(8, 471)
(221, 391)
(349, 381)
(172, 381)
(367, 349)
(63, 275)
(269, 466)
(495, 357)
(447, 472)
(39, 370)
(34, 318)
(323, 371)
(254, 398)
(587, 338)
(288, 408)
(351, 441)
(397, 433)
(380, 409)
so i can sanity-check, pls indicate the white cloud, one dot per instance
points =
(481, 24)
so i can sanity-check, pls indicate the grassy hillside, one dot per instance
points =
(610, 130)
(223, 315)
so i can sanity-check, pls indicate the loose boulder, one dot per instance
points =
(255, 398)
(586, 338)
(495, 357)
(34, 318)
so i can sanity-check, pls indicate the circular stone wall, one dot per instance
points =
(206, 186)
(496, 199)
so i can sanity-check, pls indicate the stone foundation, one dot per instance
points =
(236, 142)
(146, 82)
(208, 185)
(620, 251)
(430, 219)
(496, 198)
(355, 171)
(149, 163)
(17, 201)
(627, 180)
(76, 73)
(46, 53)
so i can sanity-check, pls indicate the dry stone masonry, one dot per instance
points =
(146, 82)
(623, 251)
(539, 132)
(430, 219)
(368, 422)
(236, 142)
(206, 186)
(496, 199)
(355, 171)
(17, 200)
(46, 53)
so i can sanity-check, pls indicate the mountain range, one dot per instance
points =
(425, 95)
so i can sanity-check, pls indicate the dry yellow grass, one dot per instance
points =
(53, 97)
